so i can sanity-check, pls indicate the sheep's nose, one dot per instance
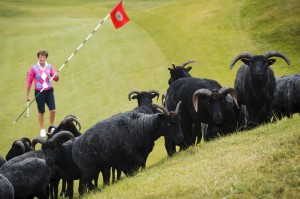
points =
(218, 118)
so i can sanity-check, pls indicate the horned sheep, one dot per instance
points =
(122, 142)
(58, 151)
(255, 84)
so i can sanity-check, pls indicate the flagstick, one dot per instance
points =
(82, 44)
(27, 109)
(89, 36)
(27, 102)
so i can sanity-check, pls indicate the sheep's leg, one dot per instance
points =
(106, 176)
(209, 135)
(188, 133)
(119, 172)
(113, 170)
(70, 186)
(63, 188)
(197, 132)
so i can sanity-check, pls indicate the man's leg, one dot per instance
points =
(52, 117)
(41, 120)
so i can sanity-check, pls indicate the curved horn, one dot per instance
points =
(131, 93)
(187, 62)
(21, 144)
(25, 139)
(154, 93)
(240, 56)
(161, 108)
(35, 141)
(277, 54)
(198, 93)
(72, 118)
(178, 107)
(62, 136)
(225, 90)
(163, 96)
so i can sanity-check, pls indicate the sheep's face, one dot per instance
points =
(259, 66)
(216, 105)
(52, 152)
(172, 127)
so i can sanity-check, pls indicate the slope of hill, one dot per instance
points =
(263, 163)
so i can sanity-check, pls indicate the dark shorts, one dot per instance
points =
(45, 97)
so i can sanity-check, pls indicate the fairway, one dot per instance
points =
(95, 83)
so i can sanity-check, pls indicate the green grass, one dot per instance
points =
(95, 83)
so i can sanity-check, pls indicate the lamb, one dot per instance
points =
(6, 188)
(59, 152)
(122, 142)
(287, 96)
(255, 84)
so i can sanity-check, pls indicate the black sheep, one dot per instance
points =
(55, 175)
(6, 188)
(66, 125)
(219, 112)
(144, 99)
(255, 84)
(58, 151)
(19, 147)
(183, 90)
(178, 72)
(122, 142)
(28, 177)
(287, 96)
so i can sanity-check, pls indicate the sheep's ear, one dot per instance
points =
(271, 61)
(170, 69)
(246, 61)
(189, 68)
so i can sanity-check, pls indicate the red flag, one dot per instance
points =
(118, 16)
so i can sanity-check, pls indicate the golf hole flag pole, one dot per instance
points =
(118, 17)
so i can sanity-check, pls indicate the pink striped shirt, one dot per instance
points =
(41, 77)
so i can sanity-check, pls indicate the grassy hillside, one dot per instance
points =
(263, 163)
(95, 83)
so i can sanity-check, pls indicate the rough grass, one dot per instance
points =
(262, 163)
(95, 83)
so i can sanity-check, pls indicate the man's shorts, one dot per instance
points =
(45, 97)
